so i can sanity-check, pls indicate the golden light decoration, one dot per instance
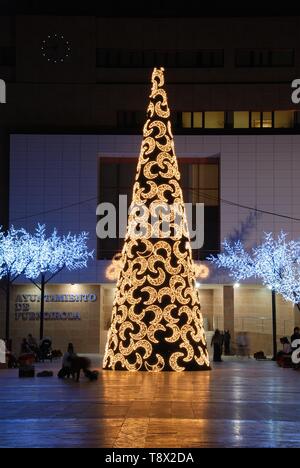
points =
(201, 271)
(113, 270)
(156, 323)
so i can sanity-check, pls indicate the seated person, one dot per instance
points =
(27, 357)
(284, 356)
(67, 362)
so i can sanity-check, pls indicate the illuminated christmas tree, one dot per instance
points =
(156, 320)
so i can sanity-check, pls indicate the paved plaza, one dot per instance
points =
(238, 404)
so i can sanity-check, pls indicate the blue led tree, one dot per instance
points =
(275, 262)
(53, 254)
(15, 256)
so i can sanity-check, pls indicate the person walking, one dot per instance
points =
(216, 342)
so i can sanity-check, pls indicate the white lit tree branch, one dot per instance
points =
(15, 256)
(50, 255)
(275, 263)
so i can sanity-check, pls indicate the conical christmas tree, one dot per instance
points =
(156, 320)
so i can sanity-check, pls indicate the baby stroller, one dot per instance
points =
(45, 350)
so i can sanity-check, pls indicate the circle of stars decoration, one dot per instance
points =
(156, 323)
(56, 48)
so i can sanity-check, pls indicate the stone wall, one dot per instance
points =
(252, 314)
(73, 315)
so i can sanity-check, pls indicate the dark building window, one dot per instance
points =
(200, 182)
(130, 119)
(282, 58)
(7, 56)
(126, 58)
(186, 58)
(211, 58)
(264, 58)
(135, 119)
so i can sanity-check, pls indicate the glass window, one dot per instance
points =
(149, 58)
(214, 119)
(197, 120)
(241, 119)
(200, 184)
(7, 56)
(171, 58)
(261, 120)
(243, 58)
(218, 58)
(265, 58)
(267, 121)
(161, 58)
(255, 119)
(207, 175)
(113, 58)
(186, 119)
(256, 58)
(211, 58)
(187, 58)
(128, 119)
(262, 58)
(136, 58)
(102, 57)
(125, 58)
(284, 119)
(282, 58)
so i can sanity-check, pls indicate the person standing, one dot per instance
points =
(32, 343)
(217, 342)
(25, 348)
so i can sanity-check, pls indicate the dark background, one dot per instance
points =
(43, 98)
(157, 8)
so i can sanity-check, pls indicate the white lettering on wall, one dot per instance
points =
(2, 92)
(296, 92)
(2, 352)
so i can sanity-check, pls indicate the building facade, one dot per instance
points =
(70, 138)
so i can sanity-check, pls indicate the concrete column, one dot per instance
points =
(228, 309)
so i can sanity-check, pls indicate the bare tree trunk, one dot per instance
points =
(274, 323)
(7, 325)
(42, 315)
